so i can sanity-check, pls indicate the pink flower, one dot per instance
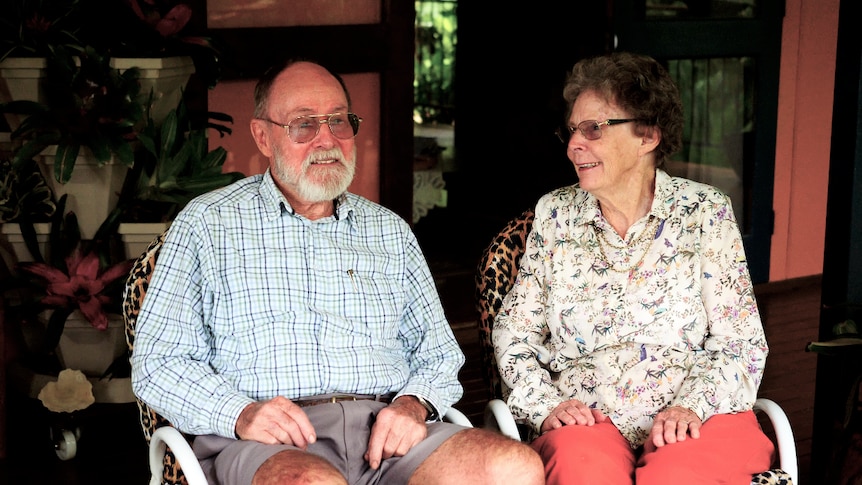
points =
(82, 288)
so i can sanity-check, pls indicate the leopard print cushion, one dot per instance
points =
(776, 476)
(136, 288)
(495, 276)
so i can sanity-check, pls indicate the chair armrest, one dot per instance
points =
(171, 437)
(783, 435)
(457, 417)
(499, 418)
(168, 436)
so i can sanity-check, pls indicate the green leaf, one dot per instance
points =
(100, 145)
(33, 148)
(64, 161)
(125, 153)
(148, 143)
(179, 162)
(215, 158)
(200, 185)
(28, 233)
(56, 254)
(22, 107)
(845, 328)
(224, 117)
(169, 132)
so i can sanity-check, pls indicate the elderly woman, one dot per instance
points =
(631, 341)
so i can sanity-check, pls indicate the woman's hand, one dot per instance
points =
(672, 425)
(572, 412)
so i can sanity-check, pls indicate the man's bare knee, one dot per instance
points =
(297, 467)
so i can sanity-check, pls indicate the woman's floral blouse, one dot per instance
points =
(680, 329)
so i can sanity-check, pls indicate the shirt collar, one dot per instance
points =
(275, 204)
(665, 195)
(662, 201)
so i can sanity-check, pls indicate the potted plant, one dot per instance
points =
(30, 32)
(74, 278)
(152, 29)
(88, 104)
(91, 109)
(137, 29)
(87, 123)
(173, 164)
(162, 39)
(25, 199)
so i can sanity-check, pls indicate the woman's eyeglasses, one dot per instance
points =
(591, 129)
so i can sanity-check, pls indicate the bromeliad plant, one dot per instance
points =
(75, 275)
(88, 104)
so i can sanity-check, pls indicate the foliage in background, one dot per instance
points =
(434, 61)
(36, 28)
(24, 193)
(173, 164)
(88, 103)
(699, 8)
(719, 109)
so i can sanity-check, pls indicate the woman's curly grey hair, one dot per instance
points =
(639, 85)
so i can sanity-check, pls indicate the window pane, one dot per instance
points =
(434, 62)
(701, 9)
(719, 125)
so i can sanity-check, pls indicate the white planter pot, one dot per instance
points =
(93, 190)
(165, 76)
(90, 350)
(81, 346)
(19, 80)
(137, 236)
(14, 241)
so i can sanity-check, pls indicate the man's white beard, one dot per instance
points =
(318, 189)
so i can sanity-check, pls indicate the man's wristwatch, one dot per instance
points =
(432, 413)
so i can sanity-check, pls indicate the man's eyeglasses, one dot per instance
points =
(591, 129)
(303, 129)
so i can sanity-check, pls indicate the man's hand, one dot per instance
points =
(398, 427)
(278, 420)
(572, 412)
(672, 425)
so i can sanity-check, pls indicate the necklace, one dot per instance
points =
(650, 231)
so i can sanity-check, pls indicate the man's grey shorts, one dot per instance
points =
(234, 462)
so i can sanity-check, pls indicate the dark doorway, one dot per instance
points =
(510, 69)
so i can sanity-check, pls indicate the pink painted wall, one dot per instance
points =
(804, 132)
(237, 99)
